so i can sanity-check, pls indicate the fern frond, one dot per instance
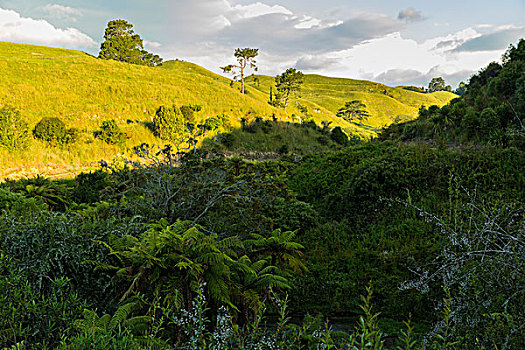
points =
(122, 314)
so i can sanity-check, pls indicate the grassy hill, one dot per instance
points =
(84, 91)
(386, 105)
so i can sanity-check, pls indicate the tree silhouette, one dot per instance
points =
(287, 84)
(353, 110)
(245, 59)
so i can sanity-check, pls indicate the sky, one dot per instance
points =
(396, 42)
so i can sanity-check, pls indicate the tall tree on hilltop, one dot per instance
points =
(437, 84)
(122, 44)
(288, 84)
(245, 59)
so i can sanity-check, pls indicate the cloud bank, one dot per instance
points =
(15, 28)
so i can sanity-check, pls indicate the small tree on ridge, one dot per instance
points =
(288, 84)
(245, 59)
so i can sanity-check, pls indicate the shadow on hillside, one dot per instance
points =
(260, 139)
(149, 125)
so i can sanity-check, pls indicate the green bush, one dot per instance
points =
(284, 149)
(188, 113)
(227, 140)
(169, 123)
(110, 133)
(51, 246)
(119, 341)
(89, 185)
(50, 130)
(52, 193)
(215, 122)
(14, 131)
(16, 203)
(37, 319)
(339, 136)
(72, 135)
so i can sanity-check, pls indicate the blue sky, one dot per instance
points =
(396, 42)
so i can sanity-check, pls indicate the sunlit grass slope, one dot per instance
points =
(324, 96)
(84, 91)
(77, 87)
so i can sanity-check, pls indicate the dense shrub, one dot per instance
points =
(14, 131)
(51, 246)
(284, 149)
(50, 130)
(216, 122)
(169, 123)
(72, 135)
(188, 113)
(110, 133)
(227, 140)
(378, 239)
(53, 194)
(17, 204)
(490, 111)
(88, 186)
(30, 316)
(339, 136)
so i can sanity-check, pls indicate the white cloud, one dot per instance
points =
(15, 28)
(61, 10)
(257, 9)
(151, 44)
(308, 22)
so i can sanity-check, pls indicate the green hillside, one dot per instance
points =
(84, 91)
(386, 105)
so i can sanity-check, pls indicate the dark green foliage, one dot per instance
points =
(14, 131)
(489, 111)
(110, 133)
(368, 238)
(227, 140)
(436, 84)
(52, 130)
(415, 89)
(284, 149)
(50, 246)
(461, 90)
(18, 204)
(36, 318)
(353, 110)
(88, 186)
(168, 224)
(338, 136)
(53, 194)
(122, 44)
(119, 341)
